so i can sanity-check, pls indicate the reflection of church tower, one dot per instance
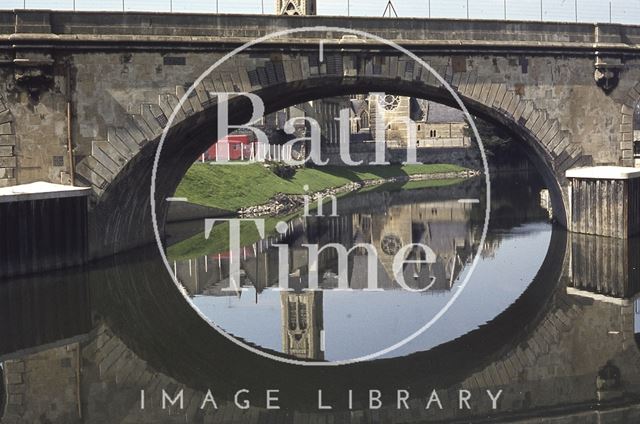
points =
(302, 324)
(296, 7)
(390, 233)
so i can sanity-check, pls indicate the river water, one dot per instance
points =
(545, 316)
(336, 325)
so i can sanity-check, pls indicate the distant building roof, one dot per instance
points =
(441, 114)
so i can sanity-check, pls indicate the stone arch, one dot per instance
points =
(128, 150)
(7, 146)
(627, 126)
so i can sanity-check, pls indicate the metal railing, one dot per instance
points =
(615, 11)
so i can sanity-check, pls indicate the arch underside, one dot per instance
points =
(120, 176)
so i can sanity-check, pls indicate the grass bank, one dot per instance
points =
(231, 187)
(218, 241)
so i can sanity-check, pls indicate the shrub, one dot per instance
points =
(283, 171)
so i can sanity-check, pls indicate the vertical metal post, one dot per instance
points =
(505, 9)
(429, 8)
(171, 6)
(610, 16)
(263, 7)
(541, 13)
(24, 4)
(217, 6)
(348, 7)
(123, 6)
(74, 5)
(467, 9)
(576, 10)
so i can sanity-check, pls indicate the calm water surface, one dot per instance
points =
(342, 325)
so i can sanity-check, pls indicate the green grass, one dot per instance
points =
(218, 240)
(410, 185)
(231, 187)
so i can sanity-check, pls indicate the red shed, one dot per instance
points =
(232, 147)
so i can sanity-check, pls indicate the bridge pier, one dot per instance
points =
(604, 201)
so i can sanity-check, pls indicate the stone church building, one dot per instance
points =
(296, 7)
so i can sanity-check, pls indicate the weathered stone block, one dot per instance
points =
(561, 146)
(626, 110)
(6, 150)
(5, 117)
(15, 366)
(16, 399)
(7, 182)
(6, 128)
(7, 173)
(18, 388)
(8, 162)
(7, 140)
(626, 128)
(14, 378)
(552, 138)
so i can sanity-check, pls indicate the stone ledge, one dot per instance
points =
(604, 172)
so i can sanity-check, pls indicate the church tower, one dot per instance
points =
(296, 7)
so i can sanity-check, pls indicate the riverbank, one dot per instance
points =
(356, 180)
(234, 188)
(284, 204)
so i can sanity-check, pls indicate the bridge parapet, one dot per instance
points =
(227, 29)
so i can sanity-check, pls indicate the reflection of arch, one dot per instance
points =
(123, 207)
(207, 356)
